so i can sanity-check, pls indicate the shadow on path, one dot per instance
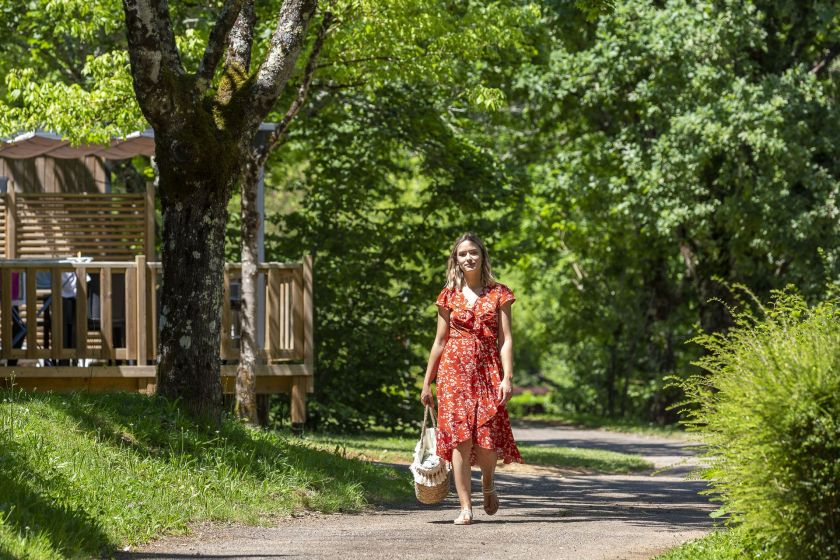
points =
(669, 502)
(632, 446)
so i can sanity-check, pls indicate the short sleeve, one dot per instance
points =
(505, 295)
(443, 299)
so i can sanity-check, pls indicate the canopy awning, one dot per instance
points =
(49, 144)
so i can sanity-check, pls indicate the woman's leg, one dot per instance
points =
(486, 459)
(461, 470)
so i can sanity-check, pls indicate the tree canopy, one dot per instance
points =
(625, 165)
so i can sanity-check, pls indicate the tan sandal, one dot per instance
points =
(465, 518)
(491, 500)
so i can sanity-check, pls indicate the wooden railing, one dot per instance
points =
(115, 311)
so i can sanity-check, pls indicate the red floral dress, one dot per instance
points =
(469, 374)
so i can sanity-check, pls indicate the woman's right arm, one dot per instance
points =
(441, 336)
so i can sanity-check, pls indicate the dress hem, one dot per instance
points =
(506, 459)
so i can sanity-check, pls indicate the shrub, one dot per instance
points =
(769, 412)
(526, 403)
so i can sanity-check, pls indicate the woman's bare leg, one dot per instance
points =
(486, 459)
(461, 470)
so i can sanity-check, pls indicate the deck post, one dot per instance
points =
(308, 323)
(31, 311)
(6, 311)
(149, 248)
(298, 403)
(56, 314)
(81, 312)
(140, 275)
(11, 224)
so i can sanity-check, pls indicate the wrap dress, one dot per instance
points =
(468, 376)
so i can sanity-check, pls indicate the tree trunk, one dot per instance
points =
(191, 294)
(201, 137)
(612, 370)
(246, 380)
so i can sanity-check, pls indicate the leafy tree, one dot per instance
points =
(382, 189)
(683, 146)
(372, 44)
(205, 112)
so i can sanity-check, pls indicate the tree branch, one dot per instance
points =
(284, 48)
(359, 60)
(335, 87)
(216, 43)
(152, 53)
(72, 73)
(241, 38)
(278, 133)
(826, 60)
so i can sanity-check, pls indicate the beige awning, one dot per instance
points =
(49, 144)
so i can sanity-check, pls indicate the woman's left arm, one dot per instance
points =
(506, 350)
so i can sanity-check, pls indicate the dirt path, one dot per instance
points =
(544, 514)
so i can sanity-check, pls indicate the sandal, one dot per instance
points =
(465, 518)
(491, 500)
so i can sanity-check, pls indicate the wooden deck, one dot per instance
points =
(110, 342)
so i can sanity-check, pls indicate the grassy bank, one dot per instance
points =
(81, 474)
(392, 449)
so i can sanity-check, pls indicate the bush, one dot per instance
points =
(526, 403)
(769, 412)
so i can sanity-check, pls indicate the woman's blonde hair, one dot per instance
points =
(454, 274)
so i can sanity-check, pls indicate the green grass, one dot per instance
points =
(396, 449)
(720, 545)
(609, 424)
(81, 475)
(596, 460)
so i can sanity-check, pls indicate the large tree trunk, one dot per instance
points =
(191, 294)
(246, 380)
(201, 134)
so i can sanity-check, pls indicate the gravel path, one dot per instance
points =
(545, 513)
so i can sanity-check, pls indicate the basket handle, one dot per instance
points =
(425, 418)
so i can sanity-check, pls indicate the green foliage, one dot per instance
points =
(769, 413)
(527, 403)
(624, 159)
(720, 545)
(669, 146)
(382, 191)
(83, 474)
(66, 66)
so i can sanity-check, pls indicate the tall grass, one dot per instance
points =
(81, 474)
(769, 412)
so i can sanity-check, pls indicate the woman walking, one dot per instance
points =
(472, 363)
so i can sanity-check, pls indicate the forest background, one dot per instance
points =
(625, 167)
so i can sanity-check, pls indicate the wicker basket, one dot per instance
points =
(429, 490)
(432, 494)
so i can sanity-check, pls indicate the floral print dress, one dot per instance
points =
(469, 374)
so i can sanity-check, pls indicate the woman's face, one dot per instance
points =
(469, 256)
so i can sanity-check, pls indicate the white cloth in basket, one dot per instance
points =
(428, 469)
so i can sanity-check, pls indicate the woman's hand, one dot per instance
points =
(503, 394)
(426, 396)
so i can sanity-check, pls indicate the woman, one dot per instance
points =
(472, 360)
